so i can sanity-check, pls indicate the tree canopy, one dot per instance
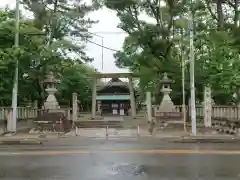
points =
(158, 39)
(45, 44)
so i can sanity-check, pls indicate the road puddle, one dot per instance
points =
(126, 169)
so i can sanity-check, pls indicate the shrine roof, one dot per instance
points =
(112, 83)
(113, 97)
(114, 75)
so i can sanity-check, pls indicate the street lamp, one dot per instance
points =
(12, 124)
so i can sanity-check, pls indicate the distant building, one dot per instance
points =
(113, 98)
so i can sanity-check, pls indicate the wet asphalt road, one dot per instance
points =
(126, 159)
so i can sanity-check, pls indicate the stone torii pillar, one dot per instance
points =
(207, 106)
(132, 98)
(74, 107)
(149, 106)
(94, 94)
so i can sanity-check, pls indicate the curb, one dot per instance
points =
(170, 139)
(21, 142)
(203, 140)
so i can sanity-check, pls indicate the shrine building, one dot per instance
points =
(115, 97)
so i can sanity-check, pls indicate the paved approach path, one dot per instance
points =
(113, 118)
(120, 159)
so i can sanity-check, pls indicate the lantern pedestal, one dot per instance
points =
(51, 102)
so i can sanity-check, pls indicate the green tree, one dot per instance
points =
(75, 77)
(36, 58)
(66, 32)
(63, 20)
(157, 42)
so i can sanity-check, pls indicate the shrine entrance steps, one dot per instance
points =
(110, 122)
(85, 121)
(140, 120)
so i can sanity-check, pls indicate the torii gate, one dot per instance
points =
(97, 76)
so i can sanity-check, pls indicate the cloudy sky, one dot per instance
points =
(113, 37)
(106, 28)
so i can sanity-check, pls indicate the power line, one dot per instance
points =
(107, 32)
(95, 34)
(102, 46)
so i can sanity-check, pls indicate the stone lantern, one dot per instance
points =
(51, 101)
(166, 82)
(166, 104)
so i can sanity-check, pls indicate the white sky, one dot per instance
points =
(108, 22)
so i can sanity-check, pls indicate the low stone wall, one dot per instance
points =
(218, 112)
(22, 112)
(29, 112)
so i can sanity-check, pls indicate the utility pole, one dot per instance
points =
(102, 45)
(183, 83)
(102, 53)
(12, 123)
(102, 62)
(238, 12)
(192, 79)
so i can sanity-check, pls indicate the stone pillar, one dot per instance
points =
(94, 94)
(189, 108)
(238, 104)
(74, 107)
(99, 107)
(207, 106)
(132, 98)
(238, 117)
(149, 106)
(35, 104)
(238, 112)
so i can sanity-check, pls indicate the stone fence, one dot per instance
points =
(29, 112)
(218, 112)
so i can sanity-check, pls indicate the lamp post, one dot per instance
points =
(11, 125)
(192, 79)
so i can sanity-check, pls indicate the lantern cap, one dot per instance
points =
(50, 79)
(165, 79)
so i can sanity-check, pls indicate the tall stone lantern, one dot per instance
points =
(166, 104)
(51, 102)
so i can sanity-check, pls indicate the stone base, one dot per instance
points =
(170, 124)
(174, 122)
(51, 105)
(53, 121)
(56, 110)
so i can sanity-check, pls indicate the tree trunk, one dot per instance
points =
(220, 15)
(236, 12)
(41, 92)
